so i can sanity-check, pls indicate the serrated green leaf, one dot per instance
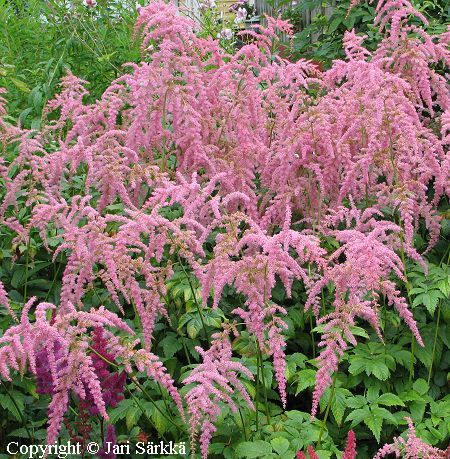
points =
(421, 386)
(280, 445)
(160, 421)
(132, 416)
(374, 423)
(417, 410)
(358, 416)
(120, 411)
(193, 328)
(356, 402)
(12, 406)
(380, 370)
(390, 400)
(383, 413)
(253, 449)
(170, 345)
(306, 378)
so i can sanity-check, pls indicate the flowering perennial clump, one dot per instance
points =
(412, 448)
(216, 379)
(256, 155)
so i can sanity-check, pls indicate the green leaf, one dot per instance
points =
(374, 423)
(338, 404)
(334, 24)
(193, 328)
(160, 421)
(380, 371)
(390, 400)
(306, 378)
(20, 84)
(356, 402)
(429, 299)
(383, 413)
(13, 407)
(170, 345)
(417, 410)
(357, 365)
(253, 449)
(132, 416)
(120, 411)
(358, 416)
(280, 445)
(421, 386)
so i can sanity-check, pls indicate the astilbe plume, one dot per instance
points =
(268, 155)
(358, 282)
(112, 383)
(412, 448)
(311, 454)
(71, 366)
(216, 380)
(251, 261)
(350, 447)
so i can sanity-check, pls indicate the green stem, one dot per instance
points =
(27, 261)
(434, 343)
(195, 299)
(102, 430)
(263, 378)
(257, 393)
(312, 336)
(53, 281)
(243, 424)
(411, 365)
(327, 411)
(162, 396)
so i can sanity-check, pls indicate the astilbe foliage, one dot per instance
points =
(412, 448)
(262, 156)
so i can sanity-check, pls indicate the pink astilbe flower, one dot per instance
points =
(358, 282)
(350, 448)
(4, 301)
(216, 380)
(251, 263)
(353, 46)
(311, 453)
(72, 367)
(412, 448)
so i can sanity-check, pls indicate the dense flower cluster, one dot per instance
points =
(216, 380)
(259, 155)
(411, 448)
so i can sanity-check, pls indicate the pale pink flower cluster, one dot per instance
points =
(66, 343)
(216, 381)
(412, 448)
